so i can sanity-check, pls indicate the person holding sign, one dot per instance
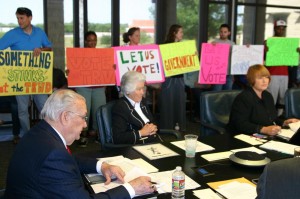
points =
(94, 96)
(279, 74)
(132, 36)
(224, 32)
(43, 167)
(253, 110)
(132, 121)
(26, 37)
(173, 97)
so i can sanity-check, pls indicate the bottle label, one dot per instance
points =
(177, 184)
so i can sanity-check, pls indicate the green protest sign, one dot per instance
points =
(282, 52)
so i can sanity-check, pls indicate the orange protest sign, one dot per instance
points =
(90, 67)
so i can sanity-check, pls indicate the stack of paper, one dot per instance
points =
(217, 156)
(201, 147)
(235, 188)
(250, 139)
(294, 126)
(286, 134)
(206, 194)
(164, 180)
(280, 147)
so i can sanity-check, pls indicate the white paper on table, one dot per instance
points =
(201, 147)
(127, 164)
(280, 147)
(252, 149)
(147, 167)
(294, 126)
(286, 134)
(164, 180)
(217, 156)
(250, 139)
(206, 194)
(155, 151)
(234, 190)
(132, 174)
(111, 159)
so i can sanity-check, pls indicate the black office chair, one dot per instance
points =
(215, 107)
(292, 105)
(104, 121)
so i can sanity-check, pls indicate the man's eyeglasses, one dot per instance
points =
(85, 118)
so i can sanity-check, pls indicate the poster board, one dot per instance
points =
(24, 74)
(214, 63)
(143, 58)
(179, 57)
(242, 57)
(90, 67)
(282, 52)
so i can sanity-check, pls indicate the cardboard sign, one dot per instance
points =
(145, 59)
(242, 57)
(282, 52)
(90, 67)
(23, 74)
(214, 63)
(179, 57)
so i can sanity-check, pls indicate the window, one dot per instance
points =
(99, 20)
(68, 20)
(138, 13)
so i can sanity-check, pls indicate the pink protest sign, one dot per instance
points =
(214, 63)
(143, 58)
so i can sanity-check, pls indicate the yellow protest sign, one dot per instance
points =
(179, 57)
(21, 73)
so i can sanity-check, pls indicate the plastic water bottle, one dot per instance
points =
(178, 183)
(177, 128)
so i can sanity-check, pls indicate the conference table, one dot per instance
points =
(222, 169)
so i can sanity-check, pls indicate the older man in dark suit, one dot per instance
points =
(42, 166)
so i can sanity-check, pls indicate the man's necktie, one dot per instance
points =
(69, 150)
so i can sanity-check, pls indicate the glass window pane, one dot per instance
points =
(8, 18)
(217, 15)
(138, 13)
(245, 25)
(99, 20)
(189, 22)
(68, 20)
(273, 2)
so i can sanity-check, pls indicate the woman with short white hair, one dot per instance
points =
(132, 121)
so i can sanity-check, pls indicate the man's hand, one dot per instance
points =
(112, 171)
(142, 185)
(37, 52)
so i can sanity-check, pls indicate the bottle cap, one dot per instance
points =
(178, 168)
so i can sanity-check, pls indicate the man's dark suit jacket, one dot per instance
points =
(280, 180)
(126, 123)
(41, 167)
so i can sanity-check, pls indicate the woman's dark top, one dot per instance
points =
(126, 123)
(249, 113)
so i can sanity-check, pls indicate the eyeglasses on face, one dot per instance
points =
(84, 117)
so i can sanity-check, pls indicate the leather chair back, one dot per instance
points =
(104, 121)
(215, 107)
(292, 105)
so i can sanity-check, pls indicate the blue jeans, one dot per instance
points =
(23, 103)
(226, 86)
(95, 97)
